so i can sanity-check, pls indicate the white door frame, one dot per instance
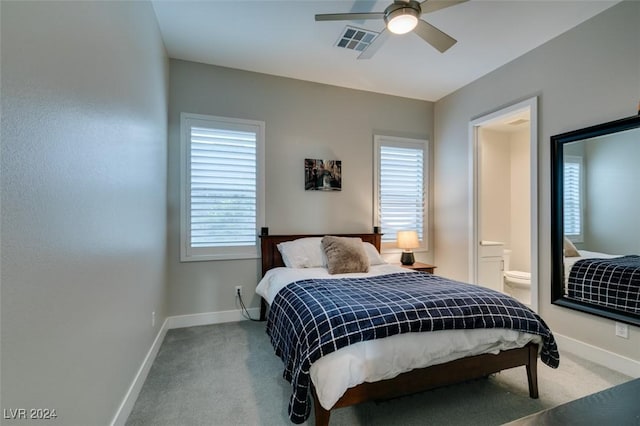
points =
(474, 147)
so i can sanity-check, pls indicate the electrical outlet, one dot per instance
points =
(238, 290)
(153, 319)
(622, 330)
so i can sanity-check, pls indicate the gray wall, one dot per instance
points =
(84, 116)
(589, 75)
(613, 193)
(303, 120)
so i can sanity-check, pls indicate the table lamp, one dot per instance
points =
(407, 240)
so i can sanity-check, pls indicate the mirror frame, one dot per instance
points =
(557, 217)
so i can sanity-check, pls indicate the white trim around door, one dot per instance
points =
(530, 105)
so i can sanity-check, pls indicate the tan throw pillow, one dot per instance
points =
(345, 255)
(569, 249)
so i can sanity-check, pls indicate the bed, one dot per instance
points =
(612, 281)
(482, 352)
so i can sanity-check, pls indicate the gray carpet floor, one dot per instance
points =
(228, 374)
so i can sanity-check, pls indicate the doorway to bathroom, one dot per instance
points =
(504, 211)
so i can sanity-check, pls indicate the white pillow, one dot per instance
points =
(308, 253)
(302, 253)
(372, 253)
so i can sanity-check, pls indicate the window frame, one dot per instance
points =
(192, 254)
(396, 141)
(575, 159)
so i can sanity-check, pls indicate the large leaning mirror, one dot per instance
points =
(595, 222)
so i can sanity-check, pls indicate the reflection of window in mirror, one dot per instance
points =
(573, 198)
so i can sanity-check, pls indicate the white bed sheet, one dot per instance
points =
(277, 278)
(386, 358)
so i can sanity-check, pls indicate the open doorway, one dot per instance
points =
(504, 214)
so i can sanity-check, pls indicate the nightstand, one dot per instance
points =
(422, 267)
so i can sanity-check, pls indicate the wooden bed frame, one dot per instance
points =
(417, 380)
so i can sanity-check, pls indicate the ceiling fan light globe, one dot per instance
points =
(401, 21)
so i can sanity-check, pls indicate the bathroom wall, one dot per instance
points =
(520, 220)
(505, 202)
(494, 190)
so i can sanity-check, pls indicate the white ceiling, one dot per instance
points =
(282, 38)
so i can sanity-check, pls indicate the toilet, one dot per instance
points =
(517, 284)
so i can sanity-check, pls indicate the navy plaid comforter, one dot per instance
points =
(614, 283)
(312, 318)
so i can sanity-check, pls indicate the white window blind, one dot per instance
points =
(400, 187)
(572, 201)
(222, 197)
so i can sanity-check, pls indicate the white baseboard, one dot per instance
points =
(179, 321)
(134, 390)
(600, 356)
(207, 318)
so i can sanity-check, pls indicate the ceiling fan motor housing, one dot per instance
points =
(402, 9)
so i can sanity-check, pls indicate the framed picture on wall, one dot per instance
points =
(322, 175)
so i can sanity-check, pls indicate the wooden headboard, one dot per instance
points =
(271, 257)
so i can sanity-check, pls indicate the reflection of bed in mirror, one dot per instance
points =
(569, 261)
(609, 280)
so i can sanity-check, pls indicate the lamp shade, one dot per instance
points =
(408, 240)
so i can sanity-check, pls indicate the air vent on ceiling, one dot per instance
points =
(356, 38)
(518, 121)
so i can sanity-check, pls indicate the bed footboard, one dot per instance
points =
(435, 376)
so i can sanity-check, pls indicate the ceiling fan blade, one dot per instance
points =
(433, 5)
(434, 36)
(349, 16)
(375, 45)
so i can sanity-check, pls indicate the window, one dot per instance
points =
(573, 197)
(400, 187)
(222, 187)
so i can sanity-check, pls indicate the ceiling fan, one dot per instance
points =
(401, 17)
